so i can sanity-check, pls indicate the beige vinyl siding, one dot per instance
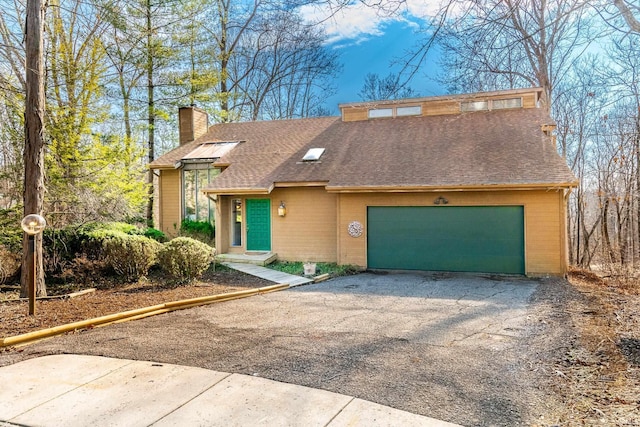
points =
(355, 114)
(545, 239)
(170, 201)
(223, 221)
(308, 231)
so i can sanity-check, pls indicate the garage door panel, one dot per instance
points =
(449, 238)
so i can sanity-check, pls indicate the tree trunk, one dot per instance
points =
(33, 196)
(151, 114)
(606, 239)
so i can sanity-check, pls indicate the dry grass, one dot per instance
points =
(599, 377)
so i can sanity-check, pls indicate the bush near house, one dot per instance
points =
(130, 256)
(155, 234)
(185, 258)
(199, 230)
(93, 251)
(82, 253)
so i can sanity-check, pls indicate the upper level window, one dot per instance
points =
(494, 104)
(474, 106)
(376, 113)
(499, 104)
(414, 110)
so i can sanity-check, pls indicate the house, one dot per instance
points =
(454, 183)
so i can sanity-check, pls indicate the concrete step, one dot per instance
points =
(255, 258)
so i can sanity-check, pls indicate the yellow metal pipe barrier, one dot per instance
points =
(135, 314)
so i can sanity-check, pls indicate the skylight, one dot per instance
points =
(313, 154)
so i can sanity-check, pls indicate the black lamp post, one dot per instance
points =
(33, 224)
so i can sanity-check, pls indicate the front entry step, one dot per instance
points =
(255, 258)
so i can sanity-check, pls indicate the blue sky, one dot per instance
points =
(369, 42)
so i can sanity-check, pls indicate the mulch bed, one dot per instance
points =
(15, 320)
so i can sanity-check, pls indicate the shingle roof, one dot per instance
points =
(504, 147)
(492, 148)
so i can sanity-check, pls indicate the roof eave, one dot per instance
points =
(290, 184)
(466, 187)
(239, 191)
(161, 167)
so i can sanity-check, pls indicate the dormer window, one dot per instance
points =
(414, 110)
(313, 155)
(499, 104)
(378, 113)
(474, 106)
(494, 104)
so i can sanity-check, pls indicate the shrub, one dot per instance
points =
(9, 264)
(199, 230)
(185, 258)
(130, 256)
(155, 234)
(60, 247)
(93, 235)
(10, 231)
(122, 227)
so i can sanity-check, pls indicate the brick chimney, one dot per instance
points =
(193, 123)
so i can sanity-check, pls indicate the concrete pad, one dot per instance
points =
(360, 413)
(33, 382)
(241, 400)
(138, 393)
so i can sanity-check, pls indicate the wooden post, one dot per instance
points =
(32, 281)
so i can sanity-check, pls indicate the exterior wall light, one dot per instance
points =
(440, 201)
(282, 209)
(32, 225)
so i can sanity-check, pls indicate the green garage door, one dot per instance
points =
(486, 239)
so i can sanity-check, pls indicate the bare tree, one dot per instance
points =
(498, 44)
(389, 87)
(630, 12)
(280, 67)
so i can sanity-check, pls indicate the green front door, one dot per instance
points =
(446, 238)
(258, 224)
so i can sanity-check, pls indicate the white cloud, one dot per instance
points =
(353, 22)
(358, 22)
(423, 8)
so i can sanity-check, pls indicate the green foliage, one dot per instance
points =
(185, 259)
(199, 230)
(130, 256)
(94, 234)
(9, 264)
(297, 268)
(155, 234)
(60, 247)
(10, 231)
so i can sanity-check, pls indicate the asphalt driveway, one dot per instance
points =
(453, 347)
